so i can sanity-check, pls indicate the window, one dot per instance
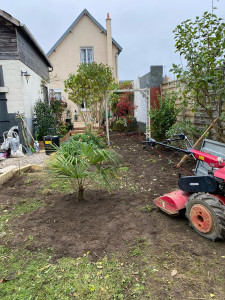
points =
(55, 94)
(86, 55)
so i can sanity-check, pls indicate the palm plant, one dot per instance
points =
(81, 162)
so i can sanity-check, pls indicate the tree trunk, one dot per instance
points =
(81, 195)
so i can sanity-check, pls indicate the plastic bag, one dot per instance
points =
(17, 153)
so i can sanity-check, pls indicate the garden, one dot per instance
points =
(87, 227)
(107, 246)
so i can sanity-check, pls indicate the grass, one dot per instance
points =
(22, 207)
(28, 275)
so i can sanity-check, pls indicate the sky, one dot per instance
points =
(144, 28)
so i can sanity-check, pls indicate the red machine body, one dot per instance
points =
(172, 203)
(211, 160)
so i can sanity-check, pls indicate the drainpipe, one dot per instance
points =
(109, 42)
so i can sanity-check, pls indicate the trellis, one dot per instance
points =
(146, 94)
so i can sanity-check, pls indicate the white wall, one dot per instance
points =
(21, 96)
(12, 80)
(140, 101)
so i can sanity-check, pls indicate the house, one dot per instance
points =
(84, 41)
(24, 72)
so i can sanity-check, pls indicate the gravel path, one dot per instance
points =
(34, 159)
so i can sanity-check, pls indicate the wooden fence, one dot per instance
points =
(199, 118)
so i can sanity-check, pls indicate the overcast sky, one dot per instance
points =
(143, 27)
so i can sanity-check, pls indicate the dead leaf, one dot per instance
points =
(174, 273)
(166, 267)
(2, 280)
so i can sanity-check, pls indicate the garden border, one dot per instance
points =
(9, 174)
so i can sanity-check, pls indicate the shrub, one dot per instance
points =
(44, 118)
(89, 138)
(164, 116)
(185, 126)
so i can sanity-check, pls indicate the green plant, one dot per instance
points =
(80, 162)
(89, 138)
(44, 118)
(90, 85)
(58, 107)
(164, 116)
(185, 126)
(201, 44)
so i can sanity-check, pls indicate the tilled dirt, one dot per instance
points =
(111, 223)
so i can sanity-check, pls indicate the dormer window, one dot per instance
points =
(86, 55)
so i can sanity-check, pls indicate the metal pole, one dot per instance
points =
(107, 120)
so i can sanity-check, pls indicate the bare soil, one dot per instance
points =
(113, 223)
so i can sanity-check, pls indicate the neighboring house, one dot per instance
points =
(84, 41)
(152, 80)
(24, 72)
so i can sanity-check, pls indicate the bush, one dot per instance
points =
(44, 118)
(89, 138)
(185, 126)
(127, 124)
(164, 116)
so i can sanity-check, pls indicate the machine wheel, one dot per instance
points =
(206, 215)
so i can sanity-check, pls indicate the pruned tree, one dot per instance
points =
(202, 45)
(90, 86)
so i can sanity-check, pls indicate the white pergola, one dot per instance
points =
(146, 94)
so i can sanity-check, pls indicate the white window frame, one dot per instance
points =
(86, 53)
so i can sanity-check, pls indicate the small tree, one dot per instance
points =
(80, 161)
(202, 44)
(90, 85)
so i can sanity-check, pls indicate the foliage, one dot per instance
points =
(44, 118)
(124, 107)
(90, 85)
(164, 116)
(186, 126)
(80, 161)
(63, 128)
(89, 138)
(58, 107)
(201, 44)
(116, 98)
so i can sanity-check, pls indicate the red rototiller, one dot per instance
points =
(203, 197)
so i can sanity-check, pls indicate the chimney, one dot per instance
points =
(109, 42)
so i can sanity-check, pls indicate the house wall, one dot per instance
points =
(140, 102)
(21, 96)
(151, 80)
(31, 57)
(8, 44)
(66, 57)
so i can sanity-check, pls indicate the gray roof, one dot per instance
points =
(83, 13)
(23, 28)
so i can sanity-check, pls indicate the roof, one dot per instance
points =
(85, 12)
(26, 31)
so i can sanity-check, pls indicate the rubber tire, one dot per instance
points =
(217, 210)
